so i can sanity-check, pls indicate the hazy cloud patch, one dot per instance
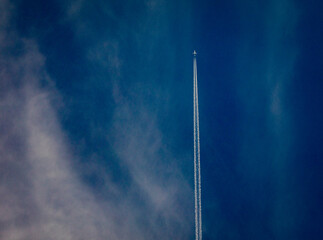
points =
(42, 194)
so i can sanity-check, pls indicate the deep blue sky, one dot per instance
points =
(96, 133)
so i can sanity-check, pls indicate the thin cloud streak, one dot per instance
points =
(266, 152)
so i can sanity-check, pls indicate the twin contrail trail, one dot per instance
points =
(197, 162)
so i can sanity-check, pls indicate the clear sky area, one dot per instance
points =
(96, 119)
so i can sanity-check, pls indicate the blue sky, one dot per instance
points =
(96, 119)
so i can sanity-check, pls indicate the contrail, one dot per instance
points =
(197, 163)
(195, 177)
(198, 156)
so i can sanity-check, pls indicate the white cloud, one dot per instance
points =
(42, 196)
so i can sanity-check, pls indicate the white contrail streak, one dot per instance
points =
(198, 157)
(197, 163)
(195, 173)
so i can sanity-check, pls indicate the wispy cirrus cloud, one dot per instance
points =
(42, 193)
(267, 128)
